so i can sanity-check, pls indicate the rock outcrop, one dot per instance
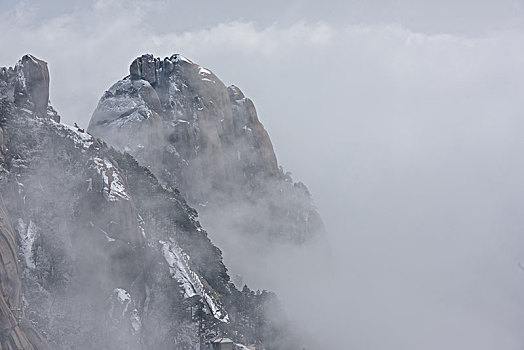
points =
(36, 77)
(27, 86)
(195, 134)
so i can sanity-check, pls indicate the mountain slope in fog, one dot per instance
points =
(195, 134)
(106, 256)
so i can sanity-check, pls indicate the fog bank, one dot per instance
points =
(409, 137)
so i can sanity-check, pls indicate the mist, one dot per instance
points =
(404, 121)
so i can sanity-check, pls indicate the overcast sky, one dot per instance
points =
(405, 119)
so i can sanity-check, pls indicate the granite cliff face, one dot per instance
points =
(27, 86)
(95, 251)
(194, 133)
(16, 330)
(182, 114)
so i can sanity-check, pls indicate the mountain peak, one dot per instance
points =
(36, 76)
(154, 69)
(178, 119)
(27, 85)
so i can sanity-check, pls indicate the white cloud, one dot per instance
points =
(245, 39)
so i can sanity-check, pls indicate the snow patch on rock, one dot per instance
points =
(124, 298)
(136, 323)
(203, 71)
(28, 235)
(122, 295)
(114, 188)
(180, 58)
(179, 265)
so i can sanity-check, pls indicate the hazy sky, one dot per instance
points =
(405, 118)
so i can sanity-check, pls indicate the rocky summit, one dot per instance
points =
(180, 121)
(101, 246)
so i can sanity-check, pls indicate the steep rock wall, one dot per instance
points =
(208, 143)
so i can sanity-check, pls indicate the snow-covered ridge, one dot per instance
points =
(178, 58)
(81, 138)
(181, 270)
(114, 188)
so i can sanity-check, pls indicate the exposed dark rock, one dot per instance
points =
(36, 77)
(27, 85)
(135, 70)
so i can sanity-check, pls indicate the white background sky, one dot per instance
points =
(404, 118)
